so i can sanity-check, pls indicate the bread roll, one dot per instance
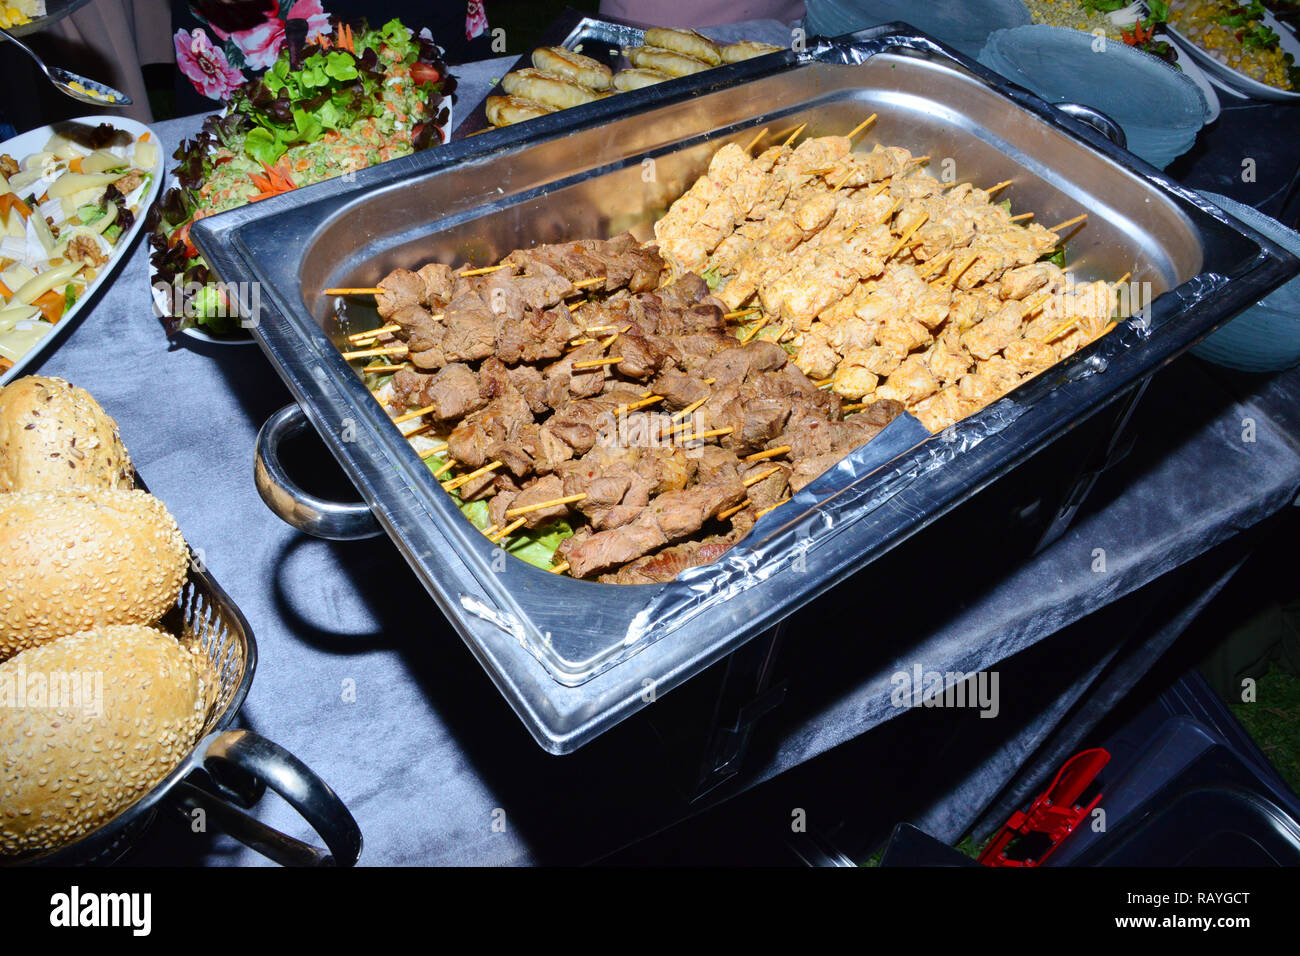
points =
(625, 81)
(746, 49)
(112, 712)
(54, 436)
(573, 66)
(547, 89)
(665, 61)
(84, 559)
(507, 110)
(686, 42)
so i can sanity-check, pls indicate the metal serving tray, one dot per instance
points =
(573, 657)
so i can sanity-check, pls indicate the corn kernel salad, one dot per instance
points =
(1236, 36)
(14, 13)
(1076, 16)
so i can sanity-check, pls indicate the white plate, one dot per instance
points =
(1197, 76)
(34, 141)
(1235, 80)
(162, 301)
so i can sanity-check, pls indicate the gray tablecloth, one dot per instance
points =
(361, 677)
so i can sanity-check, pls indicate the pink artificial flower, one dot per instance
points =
(262, 44)
(475, 19)
(206, 65)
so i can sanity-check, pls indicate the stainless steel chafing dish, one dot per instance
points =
(573, 657)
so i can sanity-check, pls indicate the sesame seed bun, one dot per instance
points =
(84, 559)
(54, 436)
(67, 766)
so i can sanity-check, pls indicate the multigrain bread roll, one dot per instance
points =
(507, 110)
(625, 81)
(665, 61)
(745, 50)
(84, 559)
(573, 66)
(119, 709)
(686, 42)
(547, 89)
(54, 436)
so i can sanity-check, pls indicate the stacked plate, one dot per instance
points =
(962, 24)
(1266, 337)
(1159, 107)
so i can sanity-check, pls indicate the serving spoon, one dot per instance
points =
(73, 84)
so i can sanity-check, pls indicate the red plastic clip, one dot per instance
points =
(1055, 813)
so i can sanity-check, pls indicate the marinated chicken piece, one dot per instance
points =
(910, 382)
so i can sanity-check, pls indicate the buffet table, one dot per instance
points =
(363, 680)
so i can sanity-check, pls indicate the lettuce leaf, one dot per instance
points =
(534, 545)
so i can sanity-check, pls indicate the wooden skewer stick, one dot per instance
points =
(997, 186)
(368, 290)
(560, 568)
(938, 262)
(749, 336)
(411, 416)
(450, 464)
(794, 135)
(430, 452)
(861, 126)
(1069, 222)
(508, 530)
(367, 353)
(750, 482)
(918, 160)
(840, 184)
(824, 382)
(490, 530)
(527, 509)
(373, 333)
(595, 363)
(427, 426)
(645, 402)
(855, 407)
(583, 283)
(478, 472)
(724, 515)
(952, 277)
(1023, 215)
(686, 412)
(714, 433)
(756, 140)
(481, 272)
(770, 453)
(740, 313)
(907, 234)
(889, 212)
(771, 508)
(383, 369)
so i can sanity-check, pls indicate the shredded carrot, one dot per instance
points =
(51, 305)
(11, 201)
(5, 364)
(74, 164)
(4, 290)
(144, 137)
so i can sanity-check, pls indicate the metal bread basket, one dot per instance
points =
(228, 771)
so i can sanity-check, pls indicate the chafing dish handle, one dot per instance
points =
(1097, 120)
(336, 521)
(240, 765)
